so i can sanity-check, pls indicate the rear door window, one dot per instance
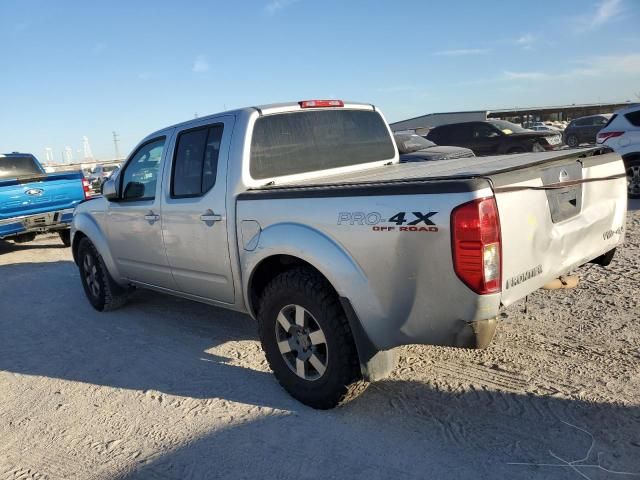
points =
(195, 161)
(307, 141)
(634, 118)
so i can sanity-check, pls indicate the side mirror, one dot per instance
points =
(109, 190)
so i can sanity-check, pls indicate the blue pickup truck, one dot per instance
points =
(33, 201)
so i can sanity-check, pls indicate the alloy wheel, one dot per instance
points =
(301, 342)
(633, 179)
(91, 274)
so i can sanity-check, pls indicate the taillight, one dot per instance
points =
(320, 103)
(475, 242)
(85, 188)
(604, 136)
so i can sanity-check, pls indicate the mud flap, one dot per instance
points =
(476, 334)
(374, 364)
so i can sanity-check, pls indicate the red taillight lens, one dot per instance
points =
(475, 242)
(604, 136)
(320, 103)
(86, 189)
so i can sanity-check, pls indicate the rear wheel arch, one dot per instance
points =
(631, 156)
(268, 269)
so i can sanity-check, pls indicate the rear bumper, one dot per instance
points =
(40, 223)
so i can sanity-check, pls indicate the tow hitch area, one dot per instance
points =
(476, 334)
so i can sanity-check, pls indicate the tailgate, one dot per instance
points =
(557, 216)
(40, 195)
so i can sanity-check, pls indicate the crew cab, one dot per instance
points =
(300, 215)
(494, 137)
(33, 201)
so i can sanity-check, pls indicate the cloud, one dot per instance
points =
(525, 75)
(99, 47)
(599, 66)
(606, 11)
(274, 5)
(200, 64)
(462, 52)
(526, 41)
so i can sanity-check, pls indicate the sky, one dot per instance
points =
(75, 68)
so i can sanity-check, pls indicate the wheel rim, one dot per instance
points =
(91, 275)
(633, 179)
(572, 141)
(302, 342)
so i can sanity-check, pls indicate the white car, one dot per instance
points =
(622, 134)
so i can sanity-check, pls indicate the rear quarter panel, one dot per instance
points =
(400, 281)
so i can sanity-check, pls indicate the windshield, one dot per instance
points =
(308, 141)
(507, 127)
(16, 167)
(408, 143)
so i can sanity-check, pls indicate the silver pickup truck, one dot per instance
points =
(300, 215)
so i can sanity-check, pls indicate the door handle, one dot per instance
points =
(209, 216)
(151, 217)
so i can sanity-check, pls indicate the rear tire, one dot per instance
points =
(24, 238)
(103, 292)
(65, 236)
(632, 168)
(307, 340)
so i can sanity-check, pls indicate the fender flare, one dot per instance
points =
(338, 267)
(87, 225)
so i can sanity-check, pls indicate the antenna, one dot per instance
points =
(115, 144)
(88, 155)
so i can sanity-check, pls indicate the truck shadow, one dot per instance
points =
(8, 247)
(161, 345)
(405, 430)
(156, 342)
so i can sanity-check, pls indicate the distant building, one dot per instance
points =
(516, 114)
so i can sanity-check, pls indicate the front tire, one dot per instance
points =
(307, 340)
(572, 141)
(103, 292)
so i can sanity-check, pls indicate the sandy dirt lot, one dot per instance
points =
(167, 388)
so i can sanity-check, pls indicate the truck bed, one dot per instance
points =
(461, 168)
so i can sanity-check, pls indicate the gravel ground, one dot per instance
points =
(167, 388)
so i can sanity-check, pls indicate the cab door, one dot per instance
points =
(194, 210)
(134, 219)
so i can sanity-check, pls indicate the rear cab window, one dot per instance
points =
(15, 166)
(300, 142)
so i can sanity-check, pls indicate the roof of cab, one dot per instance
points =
(266, 109)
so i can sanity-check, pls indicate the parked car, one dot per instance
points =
(584, 129)
(494, 137)
(543, 128)
(33, 201)
(622, 134)
(99, 175)
(300, 215)
(414, 148)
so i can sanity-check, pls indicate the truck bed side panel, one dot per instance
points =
(406, 291)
